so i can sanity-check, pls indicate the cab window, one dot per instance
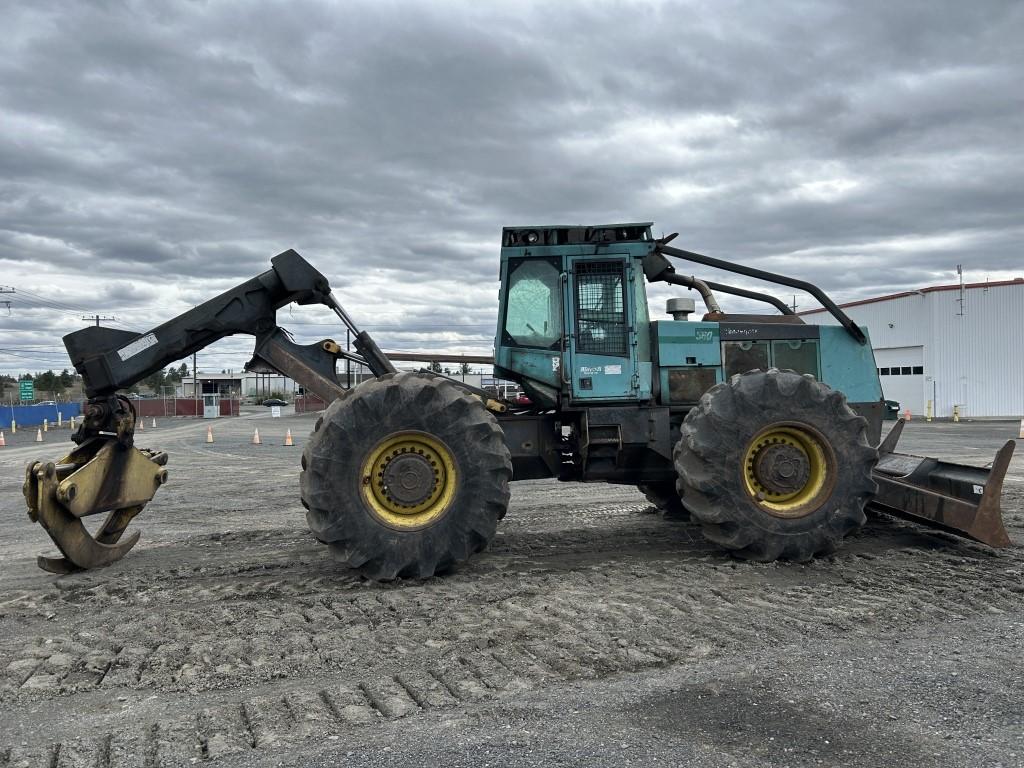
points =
(533, 313)
(601, 308)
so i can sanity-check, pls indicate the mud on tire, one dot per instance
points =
(337, 488)
(721, 441)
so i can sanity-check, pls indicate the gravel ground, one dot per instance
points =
(591, 632)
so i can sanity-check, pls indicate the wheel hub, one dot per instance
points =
(409, 479)
(782, 468)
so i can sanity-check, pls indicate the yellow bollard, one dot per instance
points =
(1021, 433)
(928, 414)
(60, 419)
(46, 425)
(14, 427)
(956, 414)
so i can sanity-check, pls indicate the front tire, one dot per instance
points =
(775, 465)
(405, 476)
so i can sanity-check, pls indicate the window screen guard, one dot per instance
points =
(601, 308)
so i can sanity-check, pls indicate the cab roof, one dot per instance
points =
(559, 234)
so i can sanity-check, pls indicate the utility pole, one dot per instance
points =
(7, 304)
(960, 272)
(97, 318)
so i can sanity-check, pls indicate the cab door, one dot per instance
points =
(602, 341)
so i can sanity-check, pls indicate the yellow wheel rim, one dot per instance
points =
(789, 470)
(409, 480)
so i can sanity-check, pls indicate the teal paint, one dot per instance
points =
(679, 340)
(536, 364)
(848, 366)
(604, 377)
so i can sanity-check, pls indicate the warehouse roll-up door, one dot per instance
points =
(901, 371)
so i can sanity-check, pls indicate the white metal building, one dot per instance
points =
(948, 345)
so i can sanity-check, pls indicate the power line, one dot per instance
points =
(54, 302)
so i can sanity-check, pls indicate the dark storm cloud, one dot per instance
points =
(168, 150)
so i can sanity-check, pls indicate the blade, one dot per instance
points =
(957, 498)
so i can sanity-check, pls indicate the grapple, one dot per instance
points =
(953, 497)
(105, 473)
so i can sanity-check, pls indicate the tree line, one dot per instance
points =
(49, 384)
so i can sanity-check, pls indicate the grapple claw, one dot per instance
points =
(98, 476)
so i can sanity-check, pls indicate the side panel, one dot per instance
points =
(849, 366)
(539, 365)
(689, 360)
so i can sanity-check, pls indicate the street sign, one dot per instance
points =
(275, 411)
(26, 390)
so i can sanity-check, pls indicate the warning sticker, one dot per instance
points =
(139, 345)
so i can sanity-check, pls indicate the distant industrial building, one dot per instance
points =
(263, 385)
(948, 345)
(236, 384)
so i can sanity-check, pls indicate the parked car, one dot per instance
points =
(274, 401)
(47, 402)
(892, 410)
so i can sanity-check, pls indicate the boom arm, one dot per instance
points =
(109, 359)
(106, 472)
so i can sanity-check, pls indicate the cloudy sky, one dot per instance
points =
(155, 154)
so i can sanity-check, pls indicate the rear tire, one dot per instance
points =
(664, 496)
(775, 465)
(405, 476)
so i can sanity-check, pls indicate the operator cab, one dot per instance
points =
(574, 319)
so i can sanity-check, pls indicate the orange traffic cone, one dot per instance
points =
(209, 434)
(2, 441)
(906, 414)
(154, 422)
(39, 435)
(256, 437)
(142, 425)
(287, 438)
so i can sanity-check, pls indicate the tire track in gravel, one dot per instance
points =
(504, 633)
(234, 643)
